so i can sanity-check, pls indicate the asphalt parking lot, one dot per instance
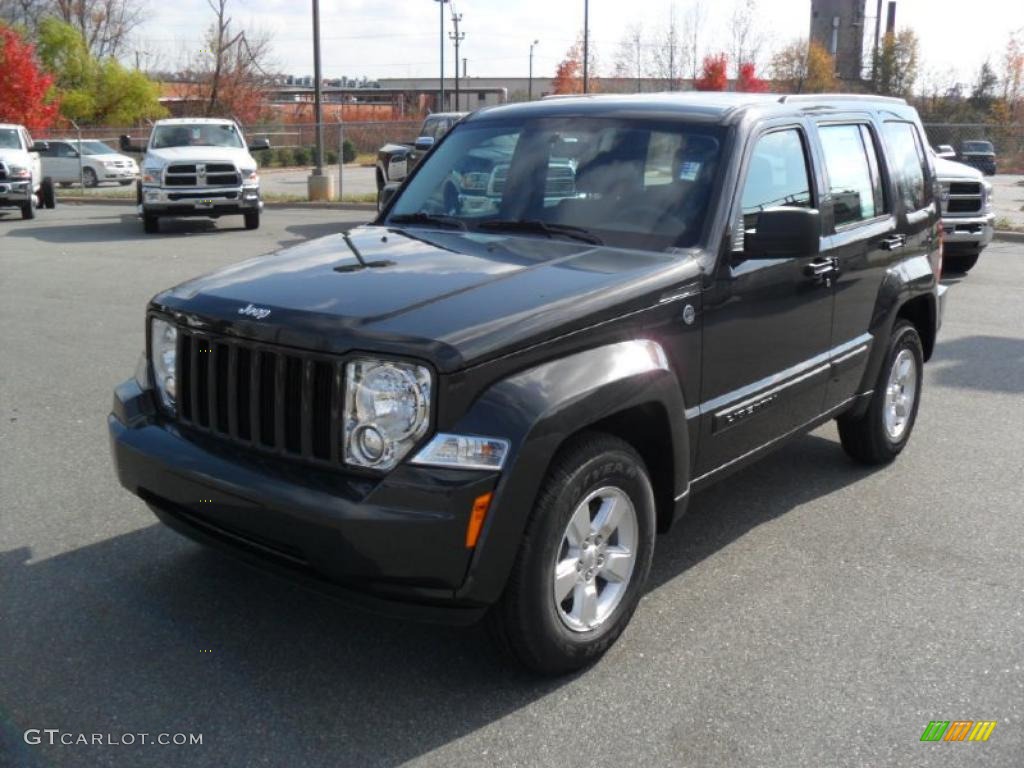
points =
(807, 612)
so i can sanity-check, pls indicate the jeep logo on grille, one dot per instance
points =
(256, 312)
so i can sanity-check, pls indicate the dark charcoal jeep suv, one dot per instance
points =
(572, 315)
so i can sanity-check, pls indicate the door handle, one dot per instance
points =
(820, 268)
(893, 242)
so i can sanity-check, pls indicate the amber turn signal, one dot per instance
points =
(476, 519)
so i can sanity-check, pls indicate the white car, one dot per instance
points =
(198, 167)
(99, 163)
(22, 184)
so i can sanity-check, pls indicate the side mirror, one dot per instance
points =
(259, 144)
(40, 146)
(423, 143)
(386, 193)
(784, 232)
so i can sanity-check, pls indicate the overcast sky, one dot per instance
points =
(399, 38)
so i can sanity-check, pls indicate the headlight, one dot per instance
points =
(249, 175)
(151, 175)
(463, 452)
(387, 410)
(163, 350)
(18, 172)
(109, 164)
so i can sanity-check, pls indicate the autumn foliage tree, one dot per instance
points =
(748, 81)
(25, 90)
(569, 72)
(713, 74)
(800, 67)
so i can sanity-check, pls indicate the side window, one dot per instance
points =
(908, 163)
(53, 151)
(776, 176)
(852, 165)
(25, 137)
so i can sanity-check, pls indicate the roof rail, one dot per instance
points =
(793, 97)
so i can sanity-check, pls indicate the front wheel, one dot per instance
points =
(48, 193)
(89, 177)
(583, 560)
(878, 436)
(961, 263)
(252, 220)
(150, 223)
(28, 210)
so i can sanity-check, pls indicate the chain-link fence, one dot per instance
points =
(1008, 140)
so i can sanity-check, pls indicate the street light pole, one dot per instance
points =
(458, 37)
(440, 90)
(529, 87)
(317, 95)
(586, 46)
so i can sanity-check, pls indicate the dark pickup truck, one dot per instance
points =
(980, 155)
(396, 161)
(486, 403)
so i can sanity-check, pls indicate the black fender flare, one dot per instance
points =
(537, 410)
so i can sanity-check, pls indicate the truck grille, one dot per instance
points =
(202, 175)
(961, 197)
(283, 401)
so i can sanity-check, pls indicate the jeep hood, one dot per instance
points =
(238, 155)
(452, 298)
(947, 169)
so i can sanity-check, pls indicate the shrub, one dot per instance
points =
(330, 156)
(282, 156)
(301, 156)
(348, 151)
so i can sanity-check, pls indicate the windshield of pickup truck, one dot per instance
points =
(196, 135)
(9, 139)
(629, 183)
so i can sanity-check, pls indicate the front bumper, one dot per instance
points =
(973, 232)
(15, 192)
(196, 201)
(395, 544)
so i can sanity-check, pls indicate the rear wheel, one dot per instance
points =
(48, 193)
(959, 262)
(583, 560)
(150, 223)
(252, 220)
(878, 436)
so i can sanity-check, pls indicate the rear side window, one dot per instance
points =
(907, 164)
(777, 176)
(852, 164)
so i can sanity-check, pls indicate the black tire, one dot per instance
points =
(150, 223)
(28, 210)
(138, 193)
(866, 438)
(526, 621)
(125, 183)
(959, 263)
(48, 193)
(89, 177)
(252, 220)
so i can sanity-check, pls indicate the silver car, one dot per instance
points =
(99, 163)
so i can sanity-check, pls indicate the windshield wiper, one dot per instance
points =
(438, 219)
(542, 227)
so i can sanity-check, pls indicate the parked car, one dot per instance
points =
(968, 221)
(198, 167)
(99, 163)
(467, 411)
(980, 155)
(396, 161)
(945, 151)
(22, 183)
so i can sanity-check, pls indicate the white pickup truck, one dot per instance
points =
(968, 221)
(198, 167)
(22, 184)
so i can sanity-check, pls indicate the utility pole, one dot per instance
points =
(529, 87)
(319, 186)
(586, 46)
(440, 90)
(878, 30)
(457, 37)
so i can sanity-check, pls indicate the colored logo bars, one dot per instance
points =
(958, 730)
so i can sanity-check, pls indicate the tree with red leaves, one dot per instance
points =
(25, 95)
(748, 81)
(568, 74)
(712, 74)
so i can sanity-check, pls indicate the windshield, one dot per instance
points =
(196, 135)
(9, 139)
(977, 146)
(630, 183)
(94, 148)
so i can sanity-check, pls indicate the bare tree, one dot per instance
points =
(745, 36)
(22, 12)
(668, 55)
(105, 24)
(631, 57)
(696, 17)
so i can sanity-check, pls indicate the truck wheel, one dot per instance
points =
(878, 436)
(252, 220)
(89, 177)
(28, 210)
(138, 193)
(48, 193)
(583, 560)
(150, 223)
(960, 262)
